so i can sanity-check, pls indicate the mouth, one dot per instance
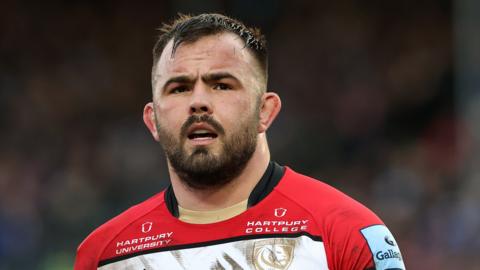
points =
(201, 133)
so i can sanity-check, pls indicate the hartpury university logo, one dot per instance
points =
(147, 226)
(280, 212)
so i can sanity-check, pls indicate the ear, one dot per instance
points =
(149, 120)
(269, 110)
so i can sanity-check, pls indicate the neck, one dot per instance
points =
(232, 193)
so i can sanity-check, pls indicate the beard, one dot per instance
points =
(202, 169)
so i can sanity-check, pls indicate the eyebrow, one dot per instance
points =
(212, 77)
(178, 79)
(208, 78)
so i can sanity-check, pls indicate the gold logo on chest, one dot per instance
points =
(273, 254)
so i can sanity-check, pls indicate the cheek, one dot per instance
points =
(232, 112)
(169, 115)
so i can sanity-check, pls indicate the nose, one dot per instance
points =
(200, 100)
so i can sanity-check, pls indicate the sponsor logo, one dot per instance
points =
(389, 254)
(384, 249)
(273, 254)
(149, 241)
(389, 241)
(276, 226)
(147, 226)
(280, 212)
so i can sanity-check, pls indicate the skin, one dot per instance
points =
(214, 75)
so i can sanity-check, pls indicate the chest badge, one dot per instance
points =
(280, 212)
(147, 226)
(273, 254)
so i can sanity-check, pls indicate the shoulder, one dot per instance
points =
(90, 250)
(324, 201)
(353, 235)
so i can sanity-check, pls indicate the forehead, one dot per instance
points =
(220, 51)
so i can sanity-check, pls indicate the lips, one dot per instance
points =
(201, 131)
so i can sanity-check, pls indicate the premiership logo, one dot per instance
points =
(273, 254)
(280, 212)
(146, 227)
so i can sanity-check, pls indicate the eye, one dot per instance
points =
(178, 89)
(221, 86)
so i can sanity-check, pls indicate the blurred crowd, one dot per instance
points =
(369, 106)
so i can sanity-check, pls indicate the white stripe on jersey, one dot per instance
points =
(258, 254)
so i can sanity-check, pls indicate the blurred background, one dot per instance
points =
(380, 99)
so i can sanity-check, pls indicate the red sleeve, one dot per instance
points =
(346, 246)
(340, 220)
(87, 256)
(92, 248)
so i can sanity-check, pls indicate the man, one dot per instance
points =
(229, 206)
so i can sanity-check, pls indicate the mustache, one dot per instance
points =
(205, 118)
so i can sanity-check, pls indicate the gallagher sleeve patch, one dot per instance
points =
(385, 251)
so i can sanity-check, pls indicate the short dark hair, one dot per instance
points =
(188, 29)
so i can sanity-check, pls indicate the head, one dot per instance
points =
(188, 29)
(210, 104)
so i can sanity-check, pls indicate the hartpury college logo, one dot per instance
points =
(280, 212)
(147, 226)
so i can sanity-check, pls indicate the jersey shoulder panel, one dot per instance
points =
(90, 250)
(323, 201)
(344, 223)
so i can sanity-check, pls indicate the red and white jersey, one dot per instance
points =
(293, 222)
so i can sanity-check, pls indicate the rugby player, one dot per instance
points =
(229, 205)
